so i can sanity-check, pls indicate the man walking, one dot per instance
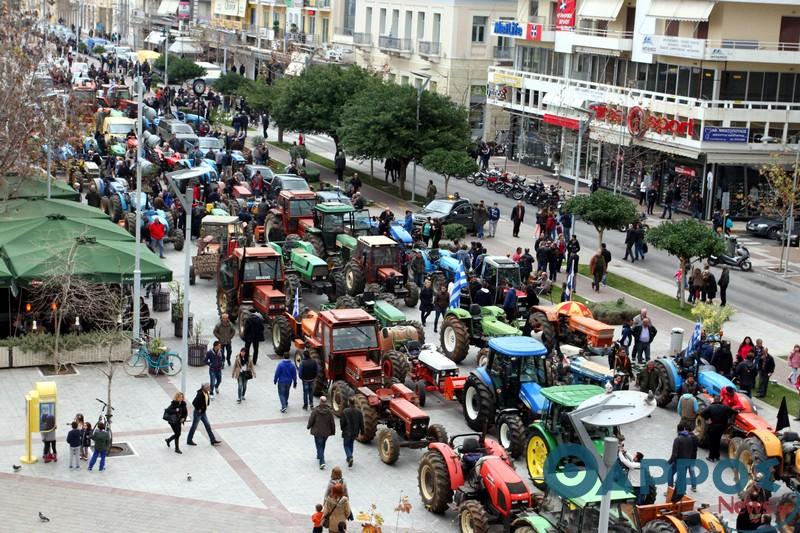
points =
(643, 336)
(440, 303)
(517, 216)
(285, 378)
(684, 451)
(431, 192)
(322, 426)
(224, 332)
(339, 165)
(668, 197)
(200, 405)
(102, 442)
(157, 232)
(215, 362)
(352, 425)
(309, 369)
(481, 215)
(253, 333)
(494, 216)
(597, 266)
(766, 368)
(717, 416)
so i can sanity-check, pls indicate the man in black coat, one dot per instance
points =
(517, 216)
(308, 371)
(352, 425)
(200, 404)
(253, 334)
(746, 374)
(339, 165)
(630, 240)
(684, 450)
(766, 368)
(717, 417)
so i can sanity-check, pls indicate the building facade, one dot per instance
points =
(696, 93)
(447, 44)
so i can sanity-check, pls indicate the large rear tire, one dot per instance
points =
(337, 279)
(281, 335)
(394, 365)
(346, 302)
(412, 296)
(177, 240)
(354, 279)
(751, 453)
(472, 517)
(659, 526)
(433, 480)
(454, 339)
(478, 404)
(130, 223)
(115, 207)
(540, 324)
(664, 392)
(389, 446)
(370, 419)
(340, 393)
(700, 426)
(437, 433)
(291, 285)
(317, 244)
(511, 431)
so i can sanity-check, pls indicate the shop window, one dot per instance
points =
(672, 79)
(683, 81)
(755, 86)
(734, 85)
(694, 83)
(770, 87)
(786, 87)
(652, 76)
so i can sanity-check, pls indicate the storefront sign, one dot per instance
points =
(685, 171)
(674, 46)
(565, 15)
(639, 121)
(498, 92)
(564, 122)
(725, 135)
(230, 8)
(184, 10)
(530, 31)
(507, 79)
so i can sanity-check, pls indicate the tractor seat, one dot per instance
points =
(692, 521)
(413, 347)
(790, 436)
(475, 310)
(368, 298)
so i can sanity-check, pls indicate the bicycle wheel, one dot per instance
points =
(135, 365)
(174, 365)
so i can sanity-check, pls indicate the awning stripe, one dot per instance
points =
(689, 10)
(600, 9)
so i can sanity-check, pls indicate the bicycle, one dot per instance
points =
(141, 360)
(106, 412)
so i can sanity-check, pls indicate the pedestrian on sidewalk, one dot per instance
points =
(49, 438)
(652, 196)
(607, 256)
(337, 478)
(697, 284)
(243, 372)
(339, 164)
(157, 232)
(352, 425)
(766, 368)
(480, 216)
(717, 417)
(74, 440)
(199, 414)
(253, 333)
(722, 360)
(336, 509)
(388, 167)
(597, 266)
(722, 283)
(643, 336)
(436, 233)
(746, 374)
(494, 217)
(425, 301)
(308, 371)
(316, 519)
(794, 363)
(745, 348)
(102, 442)
(517, 216)
(630, 240)
(684, 451)
(642, 191)
(441, 301)
(175, 415)
(565, 220)
(668, 198)
(322, 426)
(285, 378)
(224, 331)
(431, 192)
(709, 287)
(86, 435)
(639, 246)
(216, 362)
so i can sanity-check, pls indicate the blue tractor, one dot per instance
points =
(396, 232)
(506, 391)
(148, 214)
(116, 199)
(440, 265)
(672, 373)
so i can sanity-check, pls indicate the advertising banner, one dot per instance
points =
(230, 8)
(725, 135)
(565, 15)
(184, 10)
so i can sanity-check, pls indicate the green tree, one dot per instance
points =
(180, 69)
(688, 240)
(603, 210)
(380, 122)
(258, 95)
(314, 101)
(449, 163)
(785, 194)
(229, 83)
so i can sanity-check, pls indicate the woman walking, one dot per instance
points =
(176, 415)
(336, 479)
(794, 363)
(336, 509)
(425, 301)
(243, 371)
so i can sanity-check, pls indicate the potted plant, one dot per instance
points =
(177, 305)
(197, 346)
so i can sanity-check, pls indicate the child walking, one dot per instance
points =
(316, 519)
(75, 441)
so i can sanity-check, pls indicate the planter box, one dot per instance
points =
(86, 354)
(4, 357)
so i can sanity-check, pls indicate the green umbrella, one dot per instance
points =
(15, 186)
(94, 260)
(5, 275)
(25, 208)
(57, 228)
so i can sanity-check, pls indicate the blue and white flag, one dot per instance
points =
(570, 284)
(695, 340)
(296, 311)
(459, 282)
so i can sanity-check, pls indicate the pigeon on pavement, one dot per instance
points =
(16, 468)
(43, 518)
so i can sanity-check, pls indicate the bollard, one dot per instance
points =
(676, 341)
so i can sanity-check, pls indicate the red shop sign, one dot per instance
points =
(564, 122)
(685, 171)
(639, 121)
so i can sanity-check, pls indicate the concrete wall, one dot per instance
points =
(16, 357)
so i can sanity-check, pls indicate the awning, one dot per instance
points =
(689, 10)
(565, 99)
(154, 37)
(185, 45)
(167, 8)
(600, 9)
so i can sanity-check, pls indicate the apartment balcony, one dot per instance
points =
(614, 42)
(503, 54)
(394, 45)
(744, 50)
(316, 4)
(429, 48)
(362, 40)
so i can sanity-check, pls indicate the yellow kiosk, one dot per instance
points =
(40, 406)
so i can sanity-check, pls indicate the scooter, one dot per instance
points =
(741, 260)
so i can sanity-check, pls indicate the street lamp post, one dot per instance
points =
(420, 89)
(166, 58)
(137, 265)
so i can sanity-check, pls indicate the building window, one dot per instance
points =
(420, 25)
(394, 32)
(672, 28)
(437, 27)
(382, 27)
(368, 21)
(701, 30)
(407, 29)
(349, 15)
(325, 30)
(734, 85)
(479, 29)
(533, 10)
(786, 87)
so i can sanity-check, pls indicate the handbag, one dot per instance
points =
(171, 418)
(326, 520)
(246, 374)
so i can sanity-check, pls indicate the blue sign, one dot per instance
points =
(725, 135)
(508, 28)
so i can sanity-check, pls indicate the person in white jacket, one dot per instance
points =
(633, 467)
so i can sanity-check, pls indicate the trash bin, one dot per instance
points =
(160, 301)
(676, 341)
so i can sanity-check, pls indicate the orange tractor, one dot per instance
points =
(571, 323)
(293, 215)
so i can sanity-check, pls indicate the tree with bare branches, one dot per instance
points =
(784, 195)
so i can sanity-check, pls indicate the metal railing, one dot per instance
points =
(394, 43)
(751, 44)
(321, 4)
(429, 48)
(343, 31)
(363, 39)
(503, 52)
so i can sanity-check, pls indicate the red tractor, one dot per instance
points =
(117, 97)
(345, 344)
(431, 370)
(251, 279)
(478, 476)
(293, 214)
(373, 268)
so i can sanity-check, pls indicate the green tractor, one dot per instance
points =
(555, 427)
(306, 270)
(463, 328)
(336, 227)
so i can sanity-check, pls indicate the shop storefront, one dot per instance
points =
(740, 189)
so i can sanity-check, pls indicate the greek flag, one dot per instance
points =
(296, 310)
(570, 284)
(695, 340)
(459, 282)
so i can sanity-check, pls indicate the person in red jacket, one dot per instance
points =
(157, 233)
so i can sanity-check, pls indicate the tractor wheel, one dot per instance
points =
(337, 279)
(733, 446)
(291, 239)
(537, 451)
(374, 288)
(700, 427)
(483, 357)
(412, 296)
(115, 208)
(478, 404)
(244, 316)
(386, 297)
(472, 517)
(177, 240)
(454, 338)
(320, 382)
(512, 434)
(281, 335)
(192, 276)
(317, 244)
(291, 285)
(339, 394)
(354, 278)
(433, 480)
(394, 365)
(130, 223)
(664, 392)
(540, 324)
(370, 416)
(346, 302)
(417, 325)
(751, 452)
(437, 433)
(524, 529)
(422, 392)
(389, 446)
(437, 282)
(659, 526)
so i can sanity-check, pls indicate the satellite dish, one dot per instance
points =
(619, 408)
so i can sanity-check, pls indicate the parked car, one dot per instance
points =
(172, 128)
(333, 196)
(449, 211)
(287, 182)
(266, 173)
(769, 227)
(206, 144)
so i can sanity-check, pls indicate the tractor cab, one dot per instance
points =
(296, 209)
(251, 275)
(115, 96)
(562, 401)
(379, 256)
(499, 270)
(220, 234)
(517, 366)
(333, 219)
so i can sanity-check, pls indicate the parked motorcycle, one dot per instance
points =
(740, 260)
